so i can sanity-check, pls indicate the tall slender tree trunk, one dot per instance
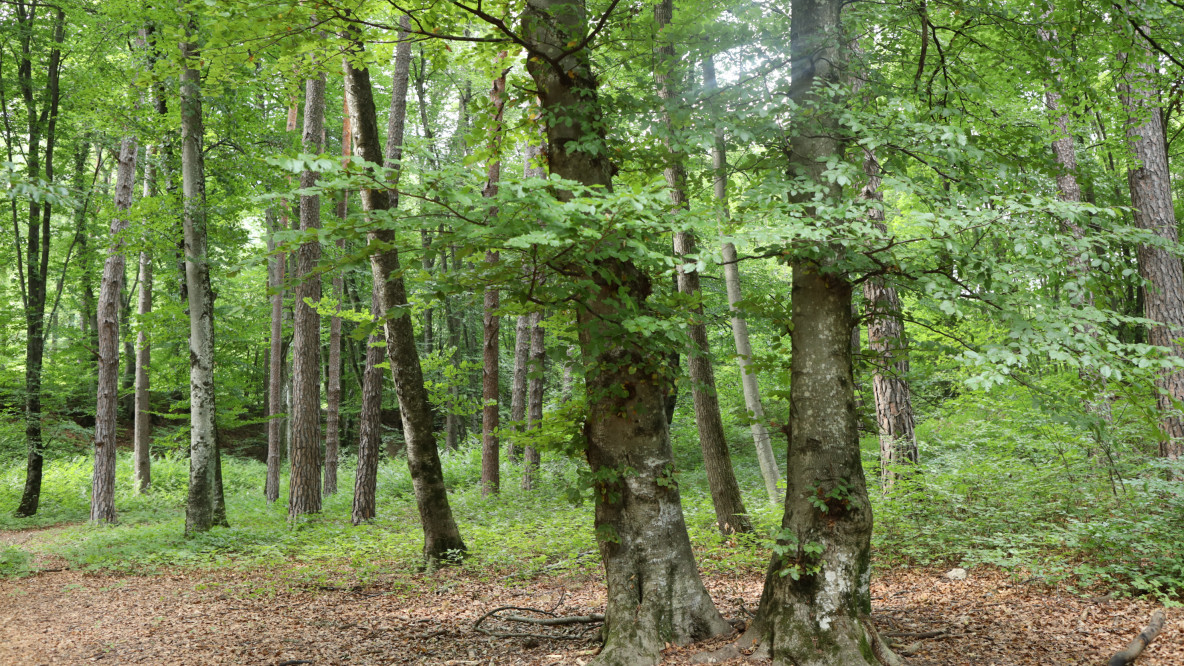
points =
(37, 241)
(748, 379)
(333, 375)
(142, 467)
(304, 488)
(275, 361)
(441, 537)
(518, 386)
(730, 514)
(815, 605)
(102, 499)
(537, 380)
(205, 506)
(491, 320)
(655, 594)
(370, 440)
(452, 420)
(1151, 197)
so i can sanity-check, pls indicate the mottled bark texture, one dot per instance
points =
(815, 617)
(730, 514)
(748, 380)
(205, 506)
(1151, 196)
(41, 123)
(888, 345)
(304, 487)
(490, 319)
(276, 422)
(442, 540)
(537, 376)
(333, 373)
(102, 497)
(655, 595)
(142, 426)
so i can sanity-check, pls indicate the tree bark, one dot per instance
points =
(333, 374)
(205, 506)
(816, 596)
(537, 381)
(518, 388)
(1151, 197)
(304, 488)
(490, 361)
(730, 514)
(748, 379)
(275, 362)
(37, 241)
(442, 540)
(655, 594)
(102, 499)
(142, 468)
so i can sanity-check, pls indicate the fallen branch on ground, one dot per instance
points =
(1132, 651)
(549, 620)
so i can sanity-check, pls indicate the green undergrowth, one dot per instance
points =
(1001, 483)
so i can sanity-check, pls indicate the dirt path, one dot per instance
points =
(289, 617)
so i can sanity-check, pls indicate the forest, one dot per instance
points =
(592, 332)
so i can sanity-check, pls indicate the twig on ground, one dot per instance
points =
(1132, 651)
(552, 620)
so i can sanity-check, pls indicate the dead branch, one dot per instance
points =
(1132, 651)
(551, 620)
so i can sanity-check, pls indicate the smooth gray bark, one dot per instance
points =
(142, 427)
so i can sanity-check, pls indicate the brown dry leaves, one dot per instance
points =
(273, 617)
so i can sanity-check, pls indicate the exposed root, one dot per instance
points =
(879, 648)
(548, 619)
(1132, 651)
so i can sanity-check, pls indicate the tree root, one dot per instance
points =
(880, 649)
(1132, 651)
(550, 619)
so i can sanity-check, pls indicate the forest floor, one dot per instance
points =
(292, 615)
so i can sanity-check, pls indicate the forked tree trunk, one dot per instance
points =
(205, 506)
(102, 498)
(655, 595)
(304, 488)
(37, 241)
(275, 363)
(142, 471)
(748, 380)
(537, 381)
(816, 598)
(442, 540)
(1151, 197)
(730, 514)
(490, 358)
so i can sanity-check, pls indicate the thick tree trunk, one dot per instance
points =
(37, 242)
(275, 363)
(142, 467)
(441, 537)
(304, 488)
(205, 506)
(491, 320)
(1151, 197)
(655, 594)
(537, 381)
(816, 598)
(102, 499)
(748, 380)
(730, 514)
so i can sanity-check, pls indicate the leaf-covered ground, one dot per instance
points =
(292, 615)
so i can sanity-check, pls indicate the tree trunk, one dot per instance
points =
(102, 499)
(490, 361)
(1151, 197)
(730, 514)
(518, 388)
(304, 488)
(537, 380)
(333, 374)
(37, 242)
(441, 537)
(655, 594)
(142, 472)
(748, 380)
(816, 596)
(275, 362)
(205, 506)
(452, 420)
